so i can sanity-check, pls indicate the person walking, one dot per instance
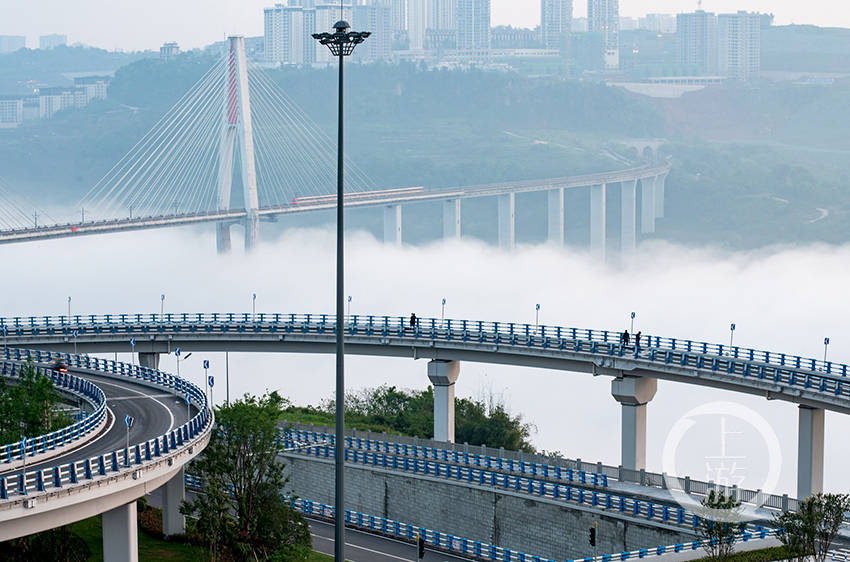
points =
(413, 321)
(626, 337)
(637, 341)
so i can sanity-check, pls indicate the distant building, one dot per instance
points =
(93, 87)
(53, 100)
(417, 23)
(273, 33)
(168, 51)
(604, 16)
(506, 37)
(578, 25)
(739, 37)
(473, 28)
(659, 23)
(628, 24)
(12, 43)
(697, 41)
(11, 111)
(441, 14)
(326, 16)
(52, 41)
(376, 19)
(555, 22)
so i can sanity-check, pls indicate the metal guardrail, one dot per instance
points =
(139, 454)
(49, 442)
(737, 360)
(546, 466)
(759, 533)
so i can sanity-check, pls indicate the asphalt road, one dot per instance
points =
(366, 547)
(155, 412)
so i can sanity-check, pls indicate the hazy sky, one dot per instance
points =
(121, 24)
(676, 291)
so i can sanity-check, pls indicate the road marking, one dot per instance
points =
(143, 395)
(136, 397)
(364, 548)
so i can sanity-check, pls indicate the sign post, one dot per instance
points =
(632, 331)
(132, 350)
(128, 421)
(210, 381)
(188, 402)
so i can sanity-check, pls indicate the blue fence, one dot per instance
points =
(138, 454)
(66, 383)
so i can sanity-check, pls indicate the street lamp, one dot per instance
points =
(341, 44)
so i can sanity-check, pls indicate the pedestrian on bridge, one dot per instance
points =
(624, 338)
(414, 321)
(637, 341)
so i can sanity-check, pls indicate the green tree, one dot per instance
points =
(28, 406)
(241, 515)
(720, 523)
(811, 530)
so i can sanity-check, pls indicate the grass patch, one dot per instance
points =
(760, 555)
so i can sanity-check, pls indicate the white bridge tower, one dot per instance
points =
(237, 129)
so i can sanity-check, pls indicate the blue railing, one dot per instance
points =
(50, 442)
(386, 453)
(654, 348)
(439, 540)
(93, 468)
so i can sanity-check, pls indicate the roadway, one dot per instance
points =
(155, 413)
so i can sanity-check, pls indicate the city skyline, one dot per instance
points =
(95, 24)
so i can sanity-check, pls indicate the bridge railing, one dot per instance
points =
(503, 332)
(528, 476)
(66, 383)
(123, 459)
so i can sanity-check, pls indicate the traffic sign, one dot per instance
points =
(188, 399)
(132, 342)
(74, 333)
(206, 363)
(129, 420)
(210, 380)
(177, 351)
(826, 341)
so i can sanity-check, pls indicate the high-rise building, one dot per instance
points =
(11, 43)
(293, 35)
(604, 16)
(441, 14)
(11, 111)
(168, 51)
(739, 37)
(473, 27)
(555, 21)
(417, 23)
(376, 19)
(660, 23)
(697, 41)
(273, 33)
(326, 16)
(398, 10)
(52, 41)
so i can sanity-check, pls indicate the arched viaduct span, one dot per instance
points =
(813, 385)
(97, 472)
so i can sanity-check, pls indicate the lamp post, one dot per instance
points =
(341, 44)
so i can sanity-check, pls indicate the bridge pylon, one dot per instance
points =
(237, 129)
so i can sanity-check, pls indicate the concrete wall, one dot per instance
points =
(540, 526)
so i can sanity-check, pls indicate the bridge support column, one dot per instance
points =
(392, 225)
(633, 393)
(443, 375)
(120, 534)
(451, 219)
(149, 360)
(597, 220)
(628, 236)
(222, 238)
(555, 208)
(810, 452)
(659, 195)
(647, 205)
(507, 220)
(173, 493)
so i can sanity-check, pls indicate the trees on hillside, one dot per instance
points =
(28, 406)
(241, 515)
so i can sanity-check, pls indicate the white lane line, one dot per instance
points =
(143, 395)
(136, 397)
(348, 544)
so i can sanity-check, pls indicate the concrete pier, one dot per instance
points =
(451, 219)
(628, 217)
(222, 238)
(647, 205)
(597, 220)
(810, 452)
(443, 375)
(173, 494)
(149, 360)
(120, 534)
(633, 393)
(507, 220)
(555, 216)
(660, 182)
(392, 225)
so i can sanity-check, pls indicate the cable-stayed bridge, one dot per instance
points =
(235, 148)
